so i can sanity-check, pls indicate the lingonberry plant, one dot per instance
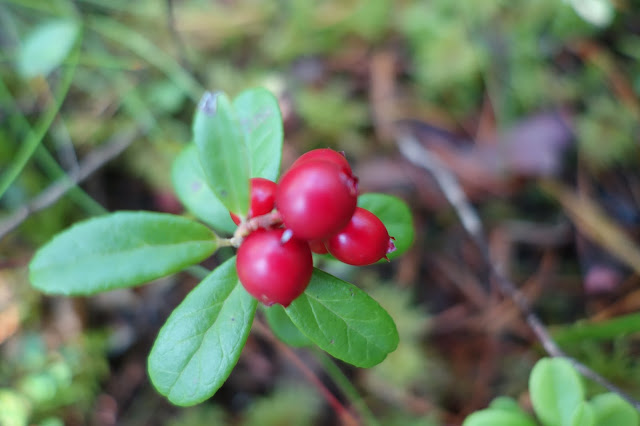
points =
(230, 171)
(558, 399)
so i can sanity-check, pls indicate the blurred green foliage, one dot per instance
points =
(43, 384)
(144, 64)
(291, 405)
(147, 64)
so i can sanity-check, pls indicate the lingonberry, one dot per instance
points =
(273, 271)
(316, 199)
(263, 192)
(326, 154)
(364, 241)
(317, 246)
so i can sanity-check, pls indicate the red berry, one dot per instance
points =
(326, 154)
(272, 271)
(263, 192)
(317, 246)
(316, 199)
(364, 241)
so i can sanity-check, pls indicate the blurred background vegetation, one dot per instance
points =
(532, 104)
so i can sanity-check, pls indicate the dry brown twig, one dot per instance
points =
(56, 190)
(413, 151)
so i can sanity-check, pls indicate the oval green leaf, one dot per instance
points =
(611, 410)
(202, 339)
(395, 215)
(283, 328)
(193, 191)
(46, 47)
(344, 321)
(497, 417)
(223, 151)
(261, 121)
(556, 391)
(119, 250)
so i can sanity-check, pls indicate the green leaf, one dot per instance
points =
(503, 411)
(201, 341)
(46, 47)
(556, 391)
(611, 410)
(223, 151)
(607, 329)
(497, 417)
(344, 321)
(506, 403)
(119, 250)
(286, 405)
(283, 328)
(259, 115)
(583, 415)
(395, 215)
(191, 186)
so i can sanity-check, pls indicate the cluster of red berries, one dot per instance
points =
(316, 205)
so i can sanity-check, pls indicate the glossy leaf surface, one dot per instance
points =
(344, 321)
(119, 250)
(259, 116)
(194, 192)
(283, 328)
(223, 151)
(556, 391)
(202, 340)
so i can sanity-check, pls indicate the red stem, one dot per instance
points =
(346, 417)
(245, 228)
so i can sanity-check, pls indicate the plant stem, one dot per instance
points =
(346, 387)
(245, 228)
(342, 412)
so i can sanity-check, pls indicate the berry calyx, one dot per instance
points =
(262, 198)
(326, 154)
(316, 199)
(364, 240)
(272, 271)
